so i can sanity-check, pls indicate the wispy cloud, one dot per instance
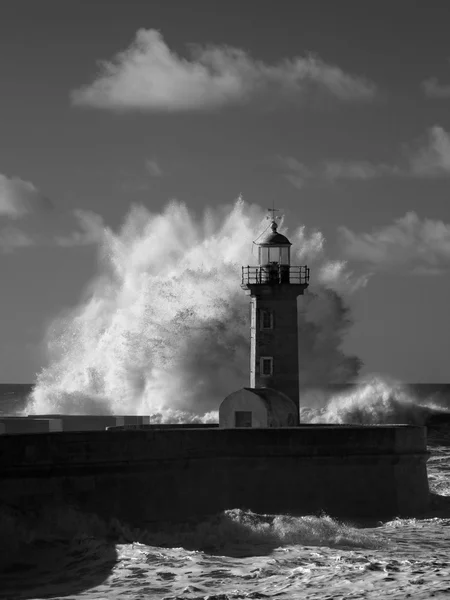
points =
(19, 198)
(358, 170)
(142, 179)
(427, 157)
(152, 168)
(149, 76)
(90, 229)
(13, 238)
(418, 246)
(432, 159)
(296, 172)
(433, 89)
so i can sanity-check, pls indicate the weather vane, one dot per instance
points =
(273, 210)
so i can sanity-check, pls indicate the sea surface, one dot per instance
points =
(236, 554)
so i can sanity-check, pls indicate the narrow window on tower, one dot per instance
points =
(266, 366)
(266, 319)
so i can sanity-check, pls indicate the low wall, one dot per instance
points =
(17, 425)
(93, 422)
(56, 422)
(174, 474)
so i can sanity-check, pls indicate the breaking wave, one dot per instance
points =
(375, 401)
(230, 532)
(163, 328)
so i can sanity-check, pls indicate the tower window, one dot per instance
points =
(266, 319)
(266, 366)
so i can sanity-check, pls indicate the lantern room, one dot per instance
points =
(274, 263)
(274, 248)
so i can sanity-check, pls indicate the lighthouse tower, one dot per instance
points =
(274, 286)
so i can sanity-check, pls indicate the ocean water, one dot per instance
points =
(239, 554)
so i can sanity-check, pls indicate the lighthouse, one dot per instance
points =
(274, 286)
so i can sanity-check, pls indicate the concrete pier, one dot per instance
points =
(179, 472)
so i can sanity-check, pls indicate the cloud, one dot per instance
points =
(297, 173)
(433, 89)
(433, 158)
(90, 230)
(149, 76)
(414, 245)
(428, 157)
(153, 169)
(12, 238)
(357, 170)
(142, 180)
(19, 198)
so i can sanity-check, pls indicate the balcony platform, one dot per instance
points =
(275, 275)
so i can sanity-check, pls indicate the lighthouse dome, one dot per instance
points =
(273, 238)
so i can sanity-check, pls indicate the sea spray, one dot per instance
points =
(375, 400)
(164, 327)
(323, 323)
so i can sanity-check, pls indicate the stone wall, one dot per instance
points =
(174, 474)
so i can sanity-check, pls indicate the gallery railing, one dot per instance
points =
(275, 274)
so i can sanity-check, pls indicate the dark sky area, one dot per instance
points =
(339, 112)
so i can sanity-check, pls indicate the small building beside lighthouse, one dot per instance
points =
(263, 407)
(273, 286)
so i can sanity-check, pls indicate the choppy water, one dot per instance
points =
(237, 554)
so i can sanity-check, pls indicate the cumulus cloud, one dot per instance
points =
(149, 76)
(19, 198)
(427, 157)
(417, 246)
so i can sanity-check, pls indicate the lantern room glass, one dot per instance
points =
(274, 254)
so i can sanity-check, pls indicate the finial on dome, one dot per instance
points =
(274, 226)
(273, 210)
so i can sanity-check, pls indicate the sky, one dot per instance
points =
(337, 112)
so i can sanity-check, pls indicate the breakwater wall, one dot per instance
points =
(172, 474)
